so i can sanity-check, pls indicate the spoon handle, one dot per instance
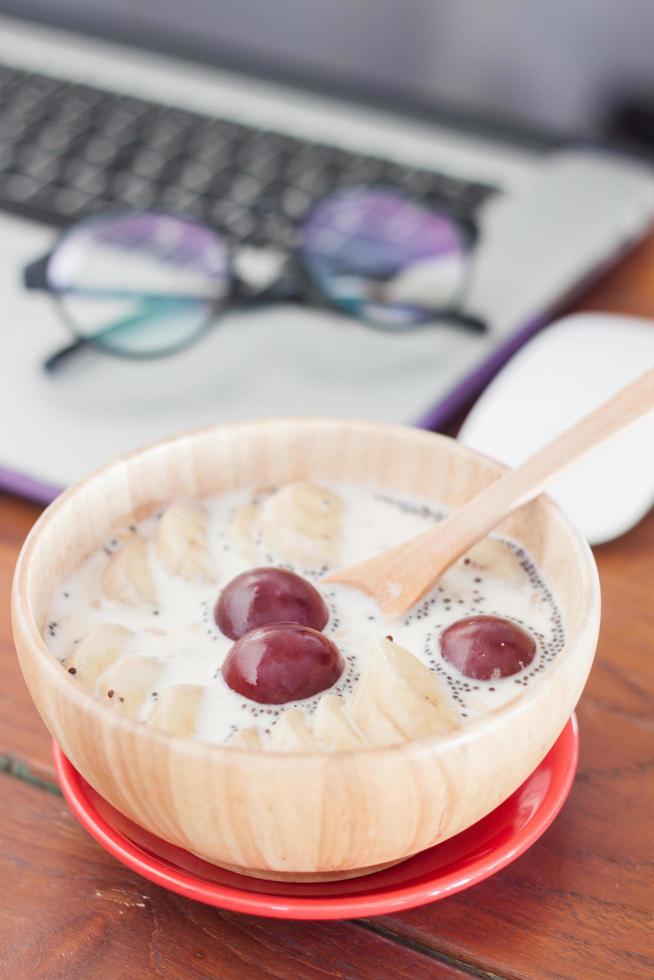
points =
(402, 575)
(520, 485)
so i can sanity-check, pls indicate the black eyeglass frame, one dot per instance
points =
(294, 285)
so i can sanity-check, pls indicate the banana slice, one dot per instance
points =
(291, 733)
(246, 738)
(377, 727)
(176, 708)
(128, 682)
(302, 523)
(495, 557)
(411, 695)
(182, 541)
(100, 648)
(332, 727)
(241, 531)
(127, 577)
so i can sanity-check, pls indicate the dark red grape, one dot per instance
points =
(282, 662)
(487, 647)
(268, 595)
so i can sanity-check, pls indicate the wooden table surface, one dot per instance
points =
(579, 904)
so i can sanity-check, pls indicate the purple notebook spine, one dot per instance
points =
(26, 486)
(438, 417)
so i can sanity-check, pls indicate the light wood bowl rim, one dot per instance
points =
(23, 615)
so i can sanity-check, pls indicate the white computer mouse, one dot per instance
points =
(562, 374)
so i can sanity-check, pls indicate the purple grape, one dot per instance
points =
(486, 648)
(268, 595)
(282, 662)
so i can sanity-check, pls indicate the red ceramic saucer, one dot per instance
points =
(458, 863)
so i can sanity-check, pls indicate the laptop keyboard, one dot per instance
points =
(68, 151)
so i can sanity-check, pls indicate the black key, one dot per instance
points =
(269, 200)
(39, 164)
(178, 120)
(19, 187)
(475, 194)
(461, 195)
(130, 108)
(86, 97)
(367, 170)
(88, 178)
(216, 156)
(146, 163)
(7, 156)
(266, 166)
(70, 202)
(265, 141)
(223, 212)
(420, 182)
(69, 149)
(253, 148)
(98, 149)
(348, 179)
(162, 139)
(245, 190)
(294, 203)
(42, 84)
(274, 229)
(392, 173)
(29, 105)
(69, 116)
(319, 154)
(118, 130)
(235, 132)
(55, 138)
(315, 182)
(133, 191)
(221, 182)
(177, 199)
(240, 224)
(7, 76)
(195, 176)
(12, 128)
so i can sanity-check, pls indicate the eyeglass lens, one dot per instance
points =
(140, 284)
(383, 257)
(147, 284)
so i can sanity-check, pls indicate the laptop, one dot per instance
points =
(138, 104)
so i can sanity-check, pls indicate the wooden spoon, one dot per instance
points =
(397, 578)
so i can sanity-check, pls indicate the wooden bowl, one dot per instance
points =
(313, 815)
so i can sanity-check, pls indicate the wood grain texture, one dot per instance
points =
(69, 911)
(22, 735)
(627, 288)
(317, 813)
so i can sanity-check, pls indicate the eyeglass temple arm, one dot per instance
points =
(246, 298)
(56, 360)
(35, 274)
(466, 320)
(35, 277)
(52, 363)
(282, 290)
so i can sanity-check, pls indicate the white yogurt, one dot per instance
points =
(181, 631)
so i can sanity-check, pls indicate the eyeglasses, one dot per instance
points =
(148, 284)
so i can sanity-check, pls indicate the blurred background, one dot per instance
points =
(370, 207)
(576, 68)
